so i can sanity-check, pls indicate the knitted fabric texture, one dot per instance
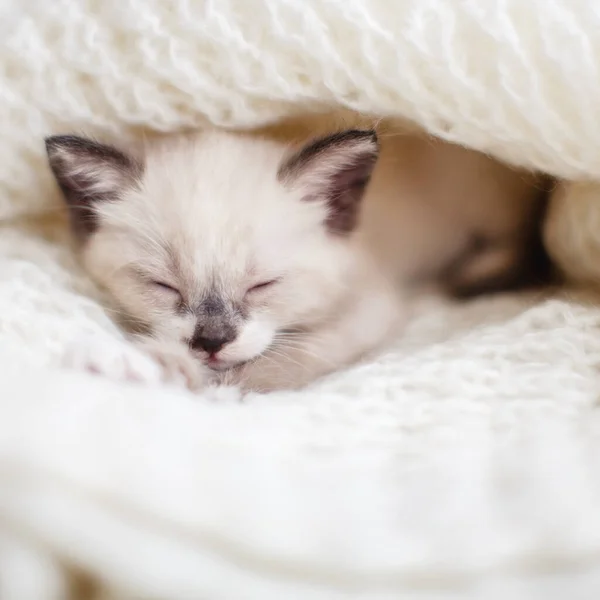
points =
(465, 460)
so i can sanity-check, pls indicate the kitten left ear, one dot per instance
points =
(335, 170)
(89, 172)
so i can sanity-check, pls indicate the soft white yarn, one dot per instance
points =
(465, 460)
(518, 79)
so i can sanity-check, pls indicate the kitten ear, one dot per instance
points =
(336, 170)
(88, 172)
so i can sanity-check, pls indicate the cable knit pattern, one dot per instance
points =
(517, 79)
(464, 461)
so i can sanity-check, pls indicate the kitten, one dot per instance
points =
(251, 262)
(232, 251)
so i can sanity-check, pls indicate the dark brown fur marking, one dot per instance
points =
(532, 268)
(77, 188)
(344, 188)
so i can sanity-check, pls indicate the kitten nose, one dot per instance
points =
(210, 345)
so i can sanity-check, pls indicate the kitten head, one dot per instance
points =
(220, 240)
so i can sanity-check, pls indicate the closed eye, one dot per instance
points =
(161, 285)
(263, 285)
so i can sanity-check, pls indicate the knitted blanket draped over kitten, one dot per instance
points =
(463, 461)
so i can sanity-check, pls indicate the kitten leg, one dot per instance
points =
(114, 359)
(145, 361)
(301, 359)
(176, 362)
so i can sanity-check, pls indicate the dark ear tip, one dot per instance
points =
(66, 141)
(362, 134)
(64, 138)
(372, 134)
(374, 138)
(54, 142)
(368, 136)
(51, 142)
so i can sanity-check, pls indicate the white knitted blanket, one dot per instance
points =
(465, 462)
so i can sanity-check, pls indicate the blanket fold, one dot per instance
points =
(462, 461)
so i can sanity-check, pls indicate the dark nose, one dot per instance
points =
(209, 344)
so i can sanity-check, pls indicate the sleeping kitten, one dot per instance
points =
(233, 253)
(247, 261)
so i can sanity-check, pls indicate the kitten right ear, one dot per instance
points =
(335, 170)
(88, 172)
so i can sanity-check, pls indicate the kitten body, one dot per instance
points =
(272, 265)
(440, 214)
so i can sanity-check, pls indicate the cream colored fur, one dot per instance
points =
(209, 210)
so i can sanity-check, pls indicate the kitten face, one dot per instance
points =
(218, 240)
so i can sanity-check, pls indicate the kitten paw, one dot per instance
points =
(146, 361)
(176, 362)
(112, 359)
